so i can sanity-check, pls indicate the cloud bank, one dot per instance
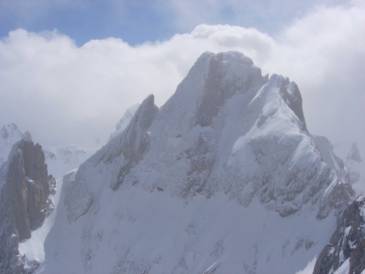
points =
(66, 93)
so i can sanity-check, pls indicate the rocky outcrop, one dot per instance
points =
(347, 244)
(24, 202)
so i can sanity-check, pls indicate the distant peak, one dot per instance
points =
(10, 131)
(27, 137)
(354, 153)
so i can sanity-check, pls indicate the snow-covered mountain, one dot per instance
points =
(223, 178)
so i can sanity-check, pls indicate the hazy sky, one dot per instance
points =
(69, 69)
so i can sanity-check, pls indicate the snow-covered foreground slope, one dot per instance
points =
(224, 178)
(153, 232)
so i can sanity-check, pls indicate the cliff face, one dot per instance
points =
(346, 248)
(24, 201)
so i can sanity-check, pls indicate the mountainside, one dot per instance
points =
(25, 189)
(223, 178)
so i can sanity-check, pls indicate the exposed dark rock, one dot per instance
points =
(347, 242)
(24, 201)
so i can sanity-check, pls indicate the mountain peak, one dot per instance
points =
(227, 162)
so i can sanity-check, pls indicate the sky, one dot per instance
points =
(69, 69)
(138, 21)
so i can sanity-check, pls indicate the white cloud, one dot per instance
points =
(66, 93)
(270, 15)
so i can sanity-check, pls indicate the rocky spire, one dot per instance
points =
(25, 199)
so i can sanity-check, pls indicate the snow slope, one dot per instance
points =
(224, 178)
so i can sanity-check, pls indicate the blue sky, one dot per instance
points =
(138, 21)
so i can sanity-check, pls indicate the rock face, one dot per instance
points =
(223, 178)
(24, 202)
(346, 248)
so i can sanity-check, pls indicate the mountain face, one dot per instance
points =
(25, 187)
(346, 248)
(223, 178)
